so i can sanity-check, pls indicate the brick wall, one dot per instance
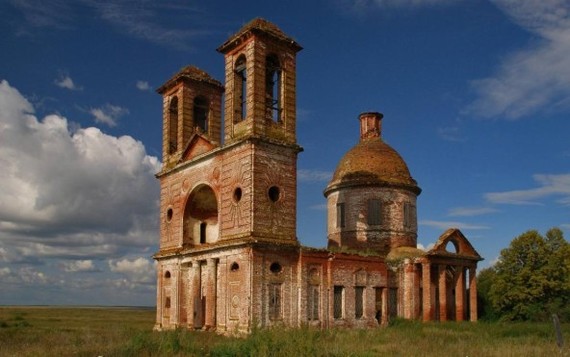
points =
(357, 234)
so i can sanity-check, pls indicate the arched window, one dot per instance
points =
(273, 88)
(201, 108)
(241, 88)
(173, 125)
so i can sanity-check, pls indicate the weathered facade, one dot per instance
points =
(229, 257)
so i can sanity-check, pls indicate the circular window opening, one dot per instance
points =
(169, 214)
(275, 268)
(234, 266)
(167, 274)
(237, 194)
(274, 193)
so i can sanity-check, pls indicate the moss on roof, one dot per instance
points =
(402, 253)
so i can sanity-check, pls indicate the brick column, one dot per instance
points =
(417, 283)
(174, 297)
(473, 293)
(194, 300)
(183, 295)
(385, 310)
(427, 296)
(408, 287)
(442, 293)
(210, 320)
(460, 294)
(159, 302)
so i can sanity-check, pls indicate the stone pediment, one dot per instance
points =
(196, 146)
(463, 247)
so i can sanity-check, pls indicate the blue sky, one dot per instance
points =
(475, 96)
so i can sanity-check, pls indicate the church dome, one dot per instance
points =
(372, 161)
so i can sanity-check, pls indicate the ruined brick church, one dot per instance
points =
(229, 256)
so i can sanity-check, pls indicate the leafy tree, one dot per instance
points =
(557, 272)
(485, 279)
(532, 278)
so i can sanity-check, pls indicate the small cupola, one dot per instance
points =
(370, 125)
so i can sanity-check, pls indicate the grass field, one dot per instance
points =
(51, 331)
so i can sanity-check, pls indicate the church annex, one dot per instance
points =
(229, 258)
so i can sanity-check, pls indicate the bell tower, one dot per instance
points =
(260, 83)
(259, 199)
(191, 105)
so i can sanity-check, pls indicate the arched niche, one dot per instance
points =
(201, 217)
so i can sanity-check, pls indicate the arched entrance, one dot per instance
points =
(200, 224)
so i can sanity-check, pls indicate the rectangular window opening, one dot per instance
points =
(393, 302)
(275, 301)
(313, 303)
(408, 215)
(338, 302)
(358, 302)
(203, 226)
(374, 212)
(378, 304)
(340, 222)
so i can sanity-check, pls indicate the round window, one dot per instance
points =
(169, 214)
(274, 193)
(275, 268)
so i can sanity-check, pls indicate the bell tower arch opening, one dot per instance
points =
(273, 88)
(200, 225)
(173, 125)
(240, 89)
(201, 113)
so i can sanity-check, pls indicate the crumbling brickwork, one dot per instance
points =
(229, 258)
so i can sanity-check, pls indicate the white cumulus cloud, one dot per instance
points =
(4, 272)
(108, 114)
(425, 248)
(137, 271)
(71, 194)
(79, 266)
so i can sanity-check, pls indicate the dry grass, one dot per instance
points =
(51, 331)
